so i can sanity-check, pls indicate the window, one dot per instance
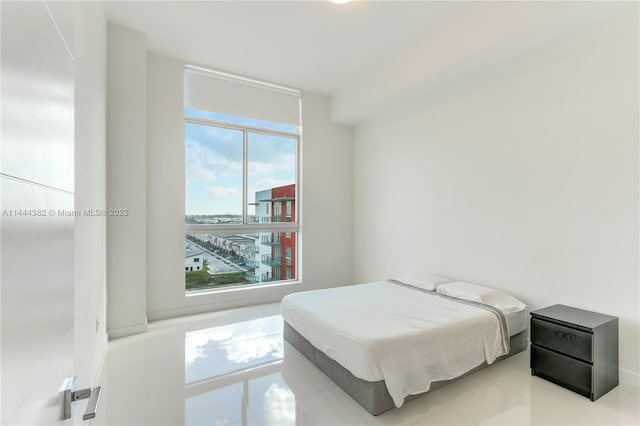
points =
(277, 212)
(239, 171)
(287, 255)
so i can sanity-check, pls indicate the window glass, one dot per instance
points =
(271, 173)
(213, 174)
(232, 259)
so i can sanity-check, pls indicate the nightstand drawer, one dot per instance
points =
(568, 372)
(569, 341)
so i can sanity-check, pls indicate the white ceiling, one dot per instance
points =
(312, 45)
(368, 55)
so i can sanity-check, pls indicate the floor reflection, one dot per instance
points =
(219, 407)
(221, 350)
(232, 375)
(271, 401)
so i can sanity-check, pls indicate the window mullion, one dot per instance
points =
(240, 228)
(245, 178)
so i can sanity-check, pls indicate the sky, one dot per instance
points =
(213, 164)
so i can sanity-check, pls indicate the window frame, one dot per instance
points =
(248, 227)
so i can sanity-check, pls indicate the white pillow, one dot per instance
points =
(425, 282)
(487, 295)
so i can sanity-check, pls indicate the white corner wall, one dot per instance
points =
(327, 197)
(528, 183)
(325, 203)
(126, 181)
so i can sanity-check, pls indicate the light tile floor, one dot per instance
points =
(233, 368)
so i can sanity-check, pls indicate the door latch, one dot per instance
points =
(71, 395)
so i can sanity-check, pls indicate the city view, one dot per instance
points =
(218, 260)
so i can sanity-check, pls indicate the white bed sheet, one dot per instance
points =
(384, 331)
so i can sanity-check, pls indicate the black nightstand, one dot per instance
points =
(575, 349)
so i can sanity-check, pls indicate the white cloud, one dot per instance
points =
(284, 162)
(223, 192)
(260, 168)
(222, 134)
(204, 164)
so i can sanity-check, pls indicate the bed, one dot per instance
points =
(387, 342)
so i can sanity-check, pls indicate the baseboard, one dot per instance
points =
(130, 330)
(208, 308)
(629, 378)
(238, 298)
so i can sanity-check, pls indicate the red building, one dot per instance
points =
(283, 244)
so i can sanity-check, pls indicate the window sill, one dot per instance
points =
(245, 287)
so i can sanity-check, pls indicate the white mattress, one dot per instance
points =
(517, 321)
(406, 337)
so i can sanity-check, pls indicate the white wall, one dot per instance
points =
(165, 176)
(126, 181)
(326, 201)
(528, 183)
(90, 261)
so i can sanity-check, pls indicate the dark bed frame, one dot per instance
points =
(373, 396)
